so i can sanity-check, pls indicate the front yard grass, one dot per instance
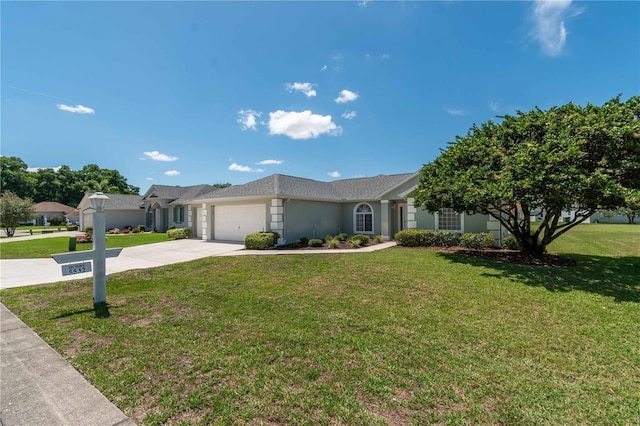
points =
(399, 336)
(45, 247)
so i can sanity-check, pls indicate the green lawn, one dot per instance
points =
(44, 247)
(399, 336)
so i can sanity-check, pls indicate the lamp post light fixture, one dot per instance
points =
(98, 201)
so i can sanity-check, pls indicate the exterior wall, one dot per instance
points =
(121, 218)
(476, 222)
(424, 219)
(311, 219)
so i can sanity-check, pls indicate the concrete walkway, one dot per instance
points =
(37, 385)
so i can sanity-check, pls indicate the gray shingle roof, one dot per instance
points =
(194, 192)
(280, 186)
(168, 192)
(123, 202)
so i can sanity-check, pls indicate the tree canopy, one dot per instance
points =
(63, 185)
(14, 210)
(539, 162)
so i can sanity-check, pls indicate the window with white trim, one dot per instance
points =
(363, 218)
(178, 214)
(449, 220)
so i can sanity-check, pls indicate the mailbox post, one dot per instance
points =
(98, 201)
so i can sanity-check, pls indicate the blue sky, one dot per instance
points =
(183, 93)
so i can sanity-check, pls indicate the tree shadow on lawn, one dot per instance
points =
(615, 277)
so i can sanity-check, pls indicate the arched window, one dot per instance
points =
(363, 218)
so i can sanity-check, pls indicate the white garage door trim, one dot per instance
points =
(233, 223)
(198, 220)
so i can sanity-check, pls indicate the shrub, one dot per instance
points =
(364, 239)
(378, 238)
(114, 231)
(142, 228)
(314, 242)
(355, 242)
(328, 237)
(510, 243)
(261, 240)
(179, 233)
(72, 227)
(304, 240)
(426, 238)
(86, 238)
(477, 241)
(126, 230)
(295, 244)
(342, 236)
(171, 227)
(55, 221)
(136, 230)
(89, 229)
(333, 243)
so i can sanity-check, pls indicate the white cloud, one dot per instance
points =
(349, 115)
(149, 178)
(346, 96)
(334, 174)
(548, 23)
(363, 3)
(301, 125)
(306, 88)
(248, 118)
(324, 67)
(171, 173)
(269, 162)
(493, 106)
(238, 168)
(453, 111)
(79, 109)
(157, 156)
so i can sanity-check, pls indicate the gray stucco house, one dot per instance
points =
(297, 207)
(292, 206)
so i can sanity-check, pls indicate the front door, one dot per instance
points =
(401, 214)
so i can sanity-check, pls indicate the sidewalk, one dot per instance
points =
(39, 387)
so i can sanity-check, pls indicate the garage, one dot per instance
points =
(87, 220)
(233, 223)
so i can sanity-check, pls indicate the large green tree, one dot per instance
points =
(15, 177)
(14, 210)
(539, 162)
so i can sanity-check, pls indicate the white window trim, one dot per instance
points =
(355, 221)
(451, 230)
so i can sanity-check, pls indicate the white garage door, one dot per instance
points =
(233, 223)
(87, 220)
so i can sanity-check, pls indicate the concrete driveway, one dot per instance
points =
(24, 272)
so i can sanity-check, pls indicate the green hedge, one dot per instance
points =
(477, 241)
(427, 238)
(261, 240)
(315, 242)
(179, 233)
(431, 238)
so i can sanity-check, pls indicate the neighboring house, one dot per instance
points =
(167, 206)
(48, 209)
(121, 210)
(614, 217)
(73, 217)
(297, 207)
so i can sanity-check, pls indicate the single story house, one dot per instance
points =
(48, 209)
(293, 207)
(297, 207)
(120, 210)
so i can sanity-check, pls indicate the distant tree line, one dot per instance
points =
(63, 185)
